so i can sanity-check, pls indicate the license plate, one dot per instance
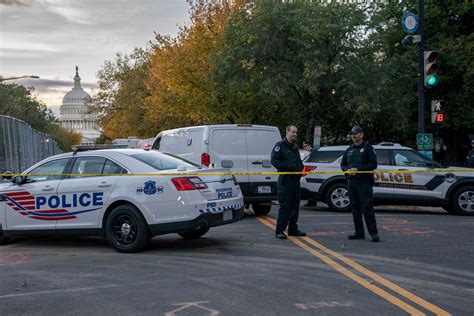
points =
(227, 215)
(264, 189)
(224, 193)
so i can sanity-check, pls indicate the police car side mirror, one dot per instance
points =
(18, 180)
(6, 175)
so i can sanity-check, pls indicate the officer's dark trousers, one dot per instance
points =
(289, 200)
(361, 195)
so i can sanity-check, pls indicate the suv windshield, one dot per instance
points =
(162, 161)
(324, 156)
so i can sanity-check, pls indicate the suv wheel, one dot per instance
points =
(262, 209)
(337, 197)
(126, 229)
(463, 201)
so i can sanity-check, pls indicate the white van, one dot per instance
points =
(241, 148)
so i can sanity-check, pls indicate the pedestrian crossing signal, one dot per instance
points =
(439, 118)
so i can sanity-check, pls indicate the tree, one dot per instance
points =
(121, 98)
(17, 101)
(283, 60)
(181, 90)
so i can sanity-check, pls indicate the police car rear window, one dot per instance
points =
(324, 156)
(162, 161)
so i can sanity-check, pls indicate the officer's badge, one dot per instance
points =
(362, 150)
(150, 187)
(277, 149)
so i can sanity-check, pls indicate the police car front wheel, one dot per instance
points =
(463, 201)
(126, 229)
(337, 197)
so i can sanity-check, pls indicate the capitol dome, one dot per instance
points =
(77, 94)
(75, 114)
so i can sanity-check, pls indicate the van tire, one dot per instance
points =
(461, 201)
(128, 218)
(194, 234)
(262, 209)
(337, 197)
(3, 240)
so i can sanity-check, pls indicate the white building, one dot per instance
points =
(73, 113)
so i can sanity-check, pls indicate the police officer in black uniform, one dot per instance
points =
(286, 158)
(470, 156)
(360, 156)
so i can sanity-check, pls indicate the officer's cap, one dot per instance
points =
(356, 129)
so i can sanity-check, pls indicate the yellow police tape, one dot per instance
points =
(229, 173)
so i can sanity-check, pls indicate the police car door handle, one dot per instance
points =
(104, 185)
(256, 162)
(47, 188)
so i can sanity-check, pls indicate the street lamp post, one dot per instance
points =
(19, 77)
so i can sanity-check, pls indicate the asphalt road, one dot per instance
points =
(424, 265)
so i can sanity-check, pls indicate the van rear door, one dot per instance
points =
(227, 144)
(260, 143)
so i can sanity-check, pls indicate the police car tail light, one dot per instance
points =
(307, 169)
(188, 184)
(205, 159)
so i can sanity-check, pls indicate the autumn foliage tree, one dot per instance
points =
(182, 91)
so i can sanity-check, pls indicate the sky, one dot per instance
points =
(48, 38)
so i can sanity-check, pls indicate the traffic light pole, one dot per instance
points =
(421, 79)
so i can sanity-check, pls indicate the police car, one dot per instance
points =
(128, 196)
(450, 188)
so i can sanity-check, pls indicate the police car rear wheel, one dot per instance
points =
(262, 209)
(127, 230)
(463, 201)
(337, 197)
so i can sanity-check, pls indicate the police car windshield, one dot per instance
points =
(162, 161)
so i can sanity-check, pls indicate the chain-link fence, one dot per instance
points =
(21, 146)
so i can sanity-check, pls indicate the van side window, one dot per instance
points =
(259, 142)
(229, 141)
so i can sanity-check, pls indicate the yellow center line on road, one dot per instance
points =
(270, 222)
(412, 297)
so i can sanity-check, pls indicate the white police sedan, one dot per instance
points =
(127, 195)
(420, 181)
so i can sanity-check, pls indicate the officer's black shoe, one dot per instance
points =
(375, 238)
(356, 236)
(281, 236)
(297, 233)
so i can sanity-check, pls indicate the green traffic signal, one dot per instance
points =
(432, 80)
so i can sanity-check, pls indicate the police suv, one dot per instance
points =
(420, 181)
(126, 195)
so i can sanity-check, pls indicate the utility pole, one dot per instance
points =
(421, 79)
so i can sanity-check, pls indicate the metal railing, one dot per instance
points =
(21, 146)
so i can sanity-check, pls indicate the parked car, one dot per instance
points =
(126, 195)
(240, 148)
(421, 181)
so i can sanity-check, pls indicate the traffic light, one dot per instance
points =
(430, 65)
(438, 108)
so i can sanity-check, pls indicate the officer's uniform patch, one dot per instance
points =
(277, 148)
